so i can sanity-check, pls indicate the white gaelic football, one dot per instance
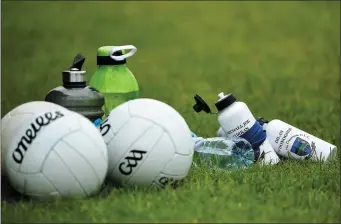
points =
(149, 144)
(18, 116)
(57, 154)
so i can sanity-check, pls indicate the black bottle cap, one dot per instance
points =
(78, 62)
(225, 101)
(262, 121)
(107, 60)
(74, 77)
(200, 105)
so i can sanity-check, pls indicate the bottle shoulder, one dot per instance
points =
(276, 125)
(275, 122)
(109, 79)
(112, 69)
(236, 107)
(75, 93)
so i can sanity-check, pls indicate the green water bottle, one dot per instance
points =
(113, 78)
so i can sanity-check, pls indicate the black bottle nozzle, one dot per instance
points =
(74, 77)
(201, 105)
(78, 62)
(262, 121)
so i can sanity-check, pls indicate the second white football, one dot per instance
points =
(149, 144)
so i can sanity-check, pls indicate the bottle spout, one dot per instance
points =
(74, 77)
(221, 95)
(262, 121)
(78, 62)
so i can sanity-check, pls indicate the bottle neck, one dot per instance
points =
(111, 66)
(74, 79)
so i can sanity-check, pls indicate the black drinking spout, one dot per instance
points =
(78, 62)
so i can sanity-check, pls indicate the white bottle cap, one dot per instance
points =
(221, 95)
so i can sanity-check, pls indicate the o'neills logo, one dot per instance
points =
(31, 133)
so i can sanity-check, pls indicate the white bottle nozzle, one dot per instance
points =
(221, 95)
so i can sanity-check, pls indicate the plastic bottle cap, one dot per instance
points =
(221, 95)
(200, 105)
(224, 101)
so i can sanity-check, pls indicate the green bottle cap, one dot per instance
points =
(105, 51)
(114, 55)
(103, 56)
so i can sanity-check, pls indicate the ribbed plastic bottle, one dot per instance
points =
(75, 95)
(223, 153)
(113, 78)
(289, 141)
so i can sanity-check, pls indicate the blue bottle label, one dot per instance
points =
(255, 135)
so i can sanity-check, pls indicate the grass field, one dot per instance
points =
(281, 58)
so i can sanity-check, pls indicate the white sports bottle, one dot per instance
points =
(237, 120)
(289, 141)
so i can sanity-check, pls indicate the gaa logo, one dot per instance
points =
(130, 162)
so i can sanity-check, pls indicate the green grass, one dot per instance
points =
(281, 58)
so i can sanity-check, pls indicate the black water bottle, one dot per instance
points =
(75, 95)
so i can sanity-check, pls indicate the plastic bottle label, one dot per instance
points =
(240, 128)
(250, 130)
(255, 135)
(294, 143)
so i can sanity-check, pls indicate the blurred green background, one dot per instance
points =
(281, 58)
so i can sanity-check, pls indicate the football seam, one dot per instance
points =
(72, 174)
(111, 171)
(52, 149)
(165, 130)
(102, 154)
(50, 181)
(152, 149)
(133, 115)
(124, 154)
(93, 140)
(114, 133)
(93, 169)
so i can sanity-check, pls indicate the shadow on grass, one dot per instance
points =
(9, 194)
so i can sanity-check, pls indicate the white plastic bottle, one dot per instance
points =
(289, 141)
(221, 132)
(237, 120)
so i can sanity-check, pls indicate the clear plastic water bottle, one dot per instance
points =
(224, 153)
